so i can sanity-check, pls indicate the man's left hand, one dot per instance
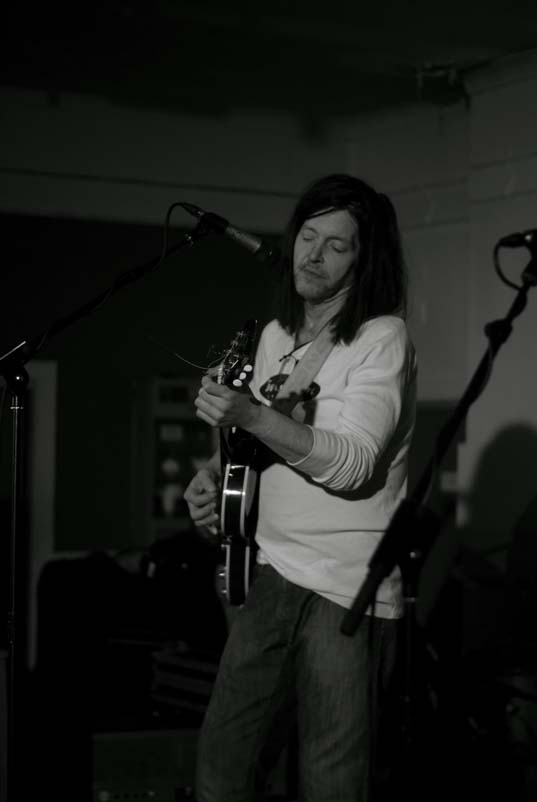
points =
(219, 405)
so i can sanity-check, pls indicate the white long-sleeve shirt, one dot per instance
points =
(320, 519)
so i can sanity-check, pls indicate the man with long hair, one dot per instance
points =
(336, 473)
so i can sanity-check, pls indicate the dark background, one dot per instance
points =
(192, 305)
(322, 65)
(102, 612)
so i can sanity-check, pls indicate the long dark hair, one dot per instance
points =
(379, 285)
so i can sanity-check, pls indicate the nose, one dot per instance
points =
(316, 252)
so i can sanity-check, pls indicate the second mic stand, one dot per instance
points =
(414, 527)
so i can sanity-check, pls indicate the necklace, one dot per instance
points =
(296, 348)
(299, 344)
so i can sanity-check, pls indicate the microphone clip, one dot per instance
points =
(520, 239)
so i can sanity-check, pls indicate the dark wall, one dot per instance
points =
(192, 304)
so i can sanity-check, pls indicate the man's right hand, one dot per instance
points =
(202, 495)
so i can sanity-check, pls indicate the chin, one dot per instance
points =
(308, 295)
(309, 290)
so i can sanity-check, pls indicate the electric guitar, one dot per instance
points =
(239, 477)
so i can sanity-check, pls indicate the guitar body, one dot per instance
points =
(238, 505)
(238, 510)
(238, 493)
(235, 575)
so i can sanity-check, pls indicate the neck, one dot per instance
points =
(316, 316)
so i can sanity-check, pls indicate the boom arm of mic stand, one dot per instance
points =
(414, 526)
(25, 350)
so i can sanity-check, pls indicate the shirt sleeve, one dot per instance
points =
(379, 373)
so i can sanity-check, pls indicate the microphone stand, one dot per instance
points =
(413, 527)
(17, 380)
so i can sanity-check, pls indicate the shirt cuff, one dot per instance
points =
(310, 452)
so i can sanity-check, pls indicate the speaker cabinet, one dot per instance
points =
(154, 765)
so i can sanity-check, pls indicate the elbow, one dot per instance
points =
(349, 479)
(351, 466)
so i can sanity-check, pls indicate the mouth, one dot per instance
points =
(311, 272)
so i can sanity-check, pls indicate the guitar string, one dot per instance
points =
(182, 358)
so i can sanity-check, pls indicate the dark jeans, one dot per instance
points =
(285, 651)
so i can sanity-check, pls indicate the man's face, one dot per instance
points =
(326, 247)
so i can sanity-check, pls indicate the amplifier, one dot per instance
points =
(155, 765)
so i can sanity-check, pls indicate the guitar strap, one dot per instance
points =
(290, 393)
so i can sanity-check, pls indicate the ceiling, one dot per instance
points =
(316, 59)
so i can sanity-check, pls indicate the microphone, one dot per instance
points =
(260, 249)
(522, 239)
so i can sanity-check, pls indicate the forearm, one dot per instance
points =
(339, 461)
(286, 437)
